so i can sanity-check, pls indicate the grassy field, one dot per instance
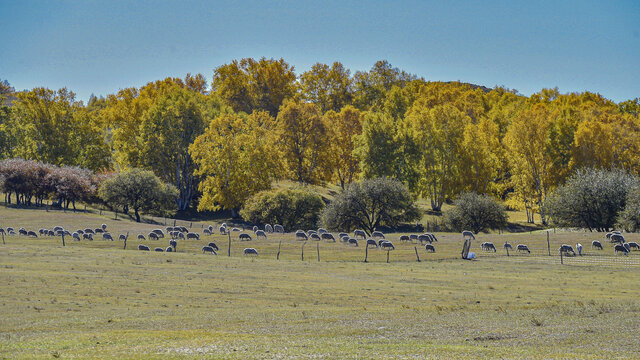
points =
(94, 300)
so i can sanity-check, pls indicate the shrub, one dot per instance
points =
(629, 218)
(369, 205)
(292, 208)
(139, 190)
(475, 212)
(591, 199)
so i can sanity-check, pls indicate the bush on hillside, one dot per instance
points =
(369, 205)
(291, 208)
(591, 199)
(475, 212)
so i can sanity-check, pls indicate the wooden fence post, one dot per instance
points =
(3, 243)
(278, 254)
(366, 252)
(548, 243)
(387, 256)
(418, 256)
(229, 251)
(303, 244)
(561, 261)
(63, 245)
(318, 250)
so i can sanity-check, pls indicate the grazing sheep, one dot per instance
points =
(424, 238)
(75, 236)
(58, 233)
(620, 248)
(98, 230)
(40, 231)
(487, 246)
(250, 251)
(32, 234)
(566, 249)
(344, 239)
(261, 233)
(352, 241)
(159, 249)
(193, 235)
(206, 249)
(87, 236)
(377, 234)
(387, 245)
(301, 235)
(359, 233)
(508, 246)
(430, 248)
(255, 228)
(405, 238)
(311, 232)
(210, 228)
(278, 228)
(468, 234)
(268, 228)
(169, 229)
(143, 247)
(579, 248)
(122, 237)
(633, 245)
(107, 236)
(67, 233)
(183, 229)
(371, 242)
(522, 248)
(175, 234)
(341, 235)
(79, 231)
(315, 236)
(236, 229)
(87, 230)
(158, 232)
(141, 237)
(596, 244)
(169, 249)
(222, 230)
(12, 232)
(244, 237)
(174, 244)
(57, 228)
(153, 236)
(213, 245)
(206, 232)
(380, 242)
(322, 231)
(626, 246)
(413, 237)
(10, 229)
(181, 235)
(104, 227)
(616, 238)
(328, 236)
(23, 231)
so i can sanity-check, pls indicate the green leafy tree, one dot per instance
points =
(250, 84)
(292, 208)
(329, 87)
(344, 127)
(371, 87)
(475, 212)
(591, 199)
(370, 204)
(629, 218)
(139, 190)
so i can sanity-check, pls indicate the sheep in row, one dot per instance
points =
(620, 248)
(301, 235)
(386, 245)
(377, 234)
(371, 242)
(268, 229)
(352, 241)
(143, 247)
(278, 229)
(209, 249)
(214, 246)
(468, 235)
(359, 234)
(250, 251)
(261, 233)
(488, 246)
(430, 248)
(507, 246)
(596, 244)
(159, 249)
(328, 236)
(173, 244)
(566, 250)
(523, 248)
(193, 235)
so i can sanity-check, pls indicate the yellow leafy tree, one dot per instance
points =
(235, 158)
(526, 142)
(343, 129)
(304, 140)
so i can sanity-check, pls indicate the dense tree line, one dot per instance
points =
(259, 122)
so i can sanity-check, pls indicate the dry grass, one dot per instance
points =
(94, 300)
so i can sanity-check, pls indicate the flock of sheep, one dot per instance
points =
(376, 240)
(620, 245)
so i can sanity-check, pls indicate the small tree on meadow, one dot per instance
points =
(475, 212)
(591, 199)
(139, 190)
(292, 208)
(629, 218)
(370, 204)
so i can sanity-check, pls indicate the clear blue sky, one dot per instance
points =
(102, 46)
